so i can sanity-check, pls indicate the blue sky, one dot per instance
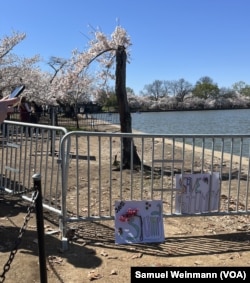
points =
(171, 39)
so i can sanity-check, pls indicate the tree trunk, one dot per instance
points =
(124, 111)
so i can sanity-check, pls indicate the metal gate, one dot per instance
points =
(93, 177)
(27, 149)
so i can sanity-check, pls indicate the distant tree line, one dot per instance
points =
(182, 95)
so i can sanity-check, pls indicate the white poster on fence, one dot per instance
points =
(197, 193)
(138, 222)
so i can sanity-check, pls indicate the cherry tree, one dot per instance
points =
(8, 43)
(117, 48)
(8, 69)
(110, 53)
(15, 70)
(68, 84)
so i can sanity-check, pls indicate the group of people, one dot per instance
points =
(29, 112)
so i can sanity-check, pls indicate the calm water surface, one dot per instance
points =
(193, 122)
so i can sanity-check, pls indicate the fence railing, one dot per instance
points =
(83, 121)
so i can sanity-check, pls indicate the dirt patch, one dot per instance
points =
(92, 253)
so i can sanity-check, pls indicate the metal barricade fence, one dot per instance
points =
(93, 177)
(82, 175)
(27, 149)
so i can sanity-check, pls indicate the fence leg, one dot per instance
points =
(40, 228)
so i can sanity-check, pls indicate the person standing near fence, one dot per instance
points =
(35, 113)
(24, 111)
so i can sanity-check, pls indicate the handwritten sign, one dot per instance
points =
(197, 193)
(138, 222)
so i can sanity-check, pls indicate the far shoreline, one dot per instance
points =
(183, 110)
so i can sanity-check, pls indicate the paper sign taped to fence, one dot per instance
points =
(138, 222)
(197, 193)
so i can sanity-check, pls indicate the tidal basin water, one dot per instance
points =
(193, 122)
(212, 122)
